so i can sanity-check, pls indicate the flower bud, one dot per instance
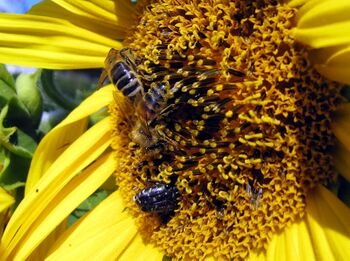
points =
(29, 95)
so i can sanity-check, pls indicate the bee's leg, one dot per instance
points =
(166, 217)
(159, 146)
(146, 77)
(102, 79)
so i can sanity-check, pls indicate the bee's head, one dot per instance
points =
(142, 135)
(112, 58)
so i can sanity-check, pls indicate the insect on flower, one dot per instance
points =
(255, 195)
(121, 69)
(160, 198)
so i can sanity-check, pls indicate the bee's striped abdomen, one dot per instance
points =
(155, 98)
(126, 80)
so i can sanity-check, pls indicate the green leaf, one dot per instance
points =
(50, 88)
(16, 173)
(4, 160)
(25, 142)
(14, 168)
(14, 185)
(10, 179)
(51, 119)
(87, 205)
(7, 86)
(6, 93)
(19, 115)
(6, 133)
(6, 77)
(99, 115)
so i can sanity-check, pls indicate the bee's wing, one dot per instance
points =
(125, 107)
(111, 58)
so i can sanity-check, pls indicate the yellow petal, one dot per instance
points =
(57, 140)
(334, 63)
(107, 11)
(254, 256)
(6, 200)
(59, 180)
(323, 234)
(105, 17)
(342, 162)
(328, 221)
(293, 243)
(326, 35)
(341, 125)
(138, 251)
(47, 42)
(103, 234)
(296, 3)
(276, 245)
(324, 25)
(69, 198)
(40, 252)
(324, 12)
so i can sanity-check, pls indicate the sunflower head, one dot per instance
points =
(243, 121)
(221, 151)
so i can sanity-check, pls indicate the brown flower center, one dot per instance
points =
(243, 126)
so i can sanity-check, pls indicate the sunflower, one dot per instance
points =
(246, 136)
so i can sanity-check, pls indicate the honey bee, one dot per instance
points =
(121, 69)
(255, 195)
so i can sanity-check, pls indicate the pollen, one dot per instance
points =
(244, 130)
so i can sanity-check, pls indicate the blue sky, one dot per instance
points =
(16, 6)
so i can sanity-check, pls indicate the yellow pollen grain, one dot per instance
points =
(241, 140)
(213, 155)
(242, 156)
(219, 87)
(253, 161)
(202, 170)
(190, 57)
(253, 136)
(194, 143)
(228, 114)
(177, 127)
(210, 167)
(231, 146)
(213, 144)
(210, 92)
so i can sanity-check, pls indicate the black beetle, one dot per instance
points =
(161, 198)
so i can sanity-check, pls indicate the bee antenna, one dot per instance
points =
(102, 79)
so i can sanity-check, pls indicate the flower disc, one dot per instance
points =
(244, 125)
